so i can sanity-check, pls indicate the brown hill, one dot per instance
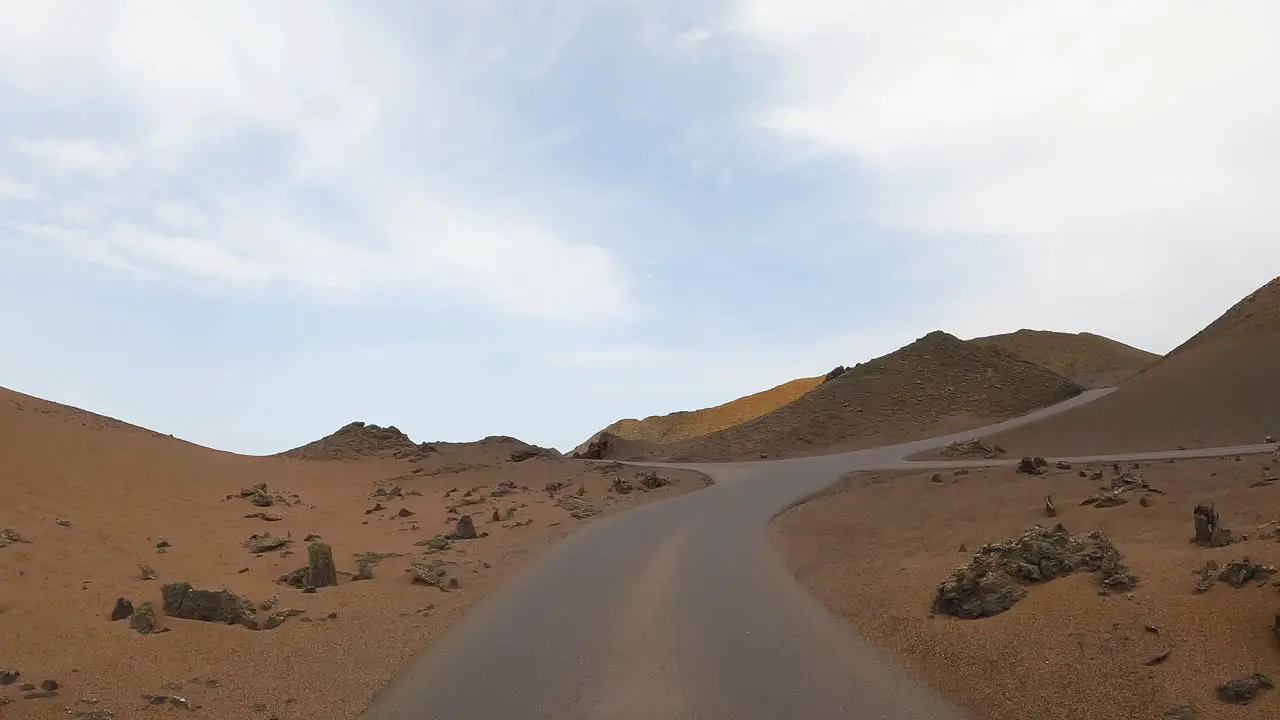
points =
(1088, 360)
(1221, 387)
(87, 500)
(359, 440)
(686, 424)
(936, 384)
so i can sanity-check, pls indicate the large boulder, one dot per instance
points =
(994, 579)
(220, 606)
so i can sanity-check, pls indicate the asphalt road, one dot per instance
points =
(680, 610)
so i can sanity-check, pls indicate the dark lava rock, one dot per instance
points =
(49, 685)
(652, 480)
(1028, 466)
(1209, 531)
(432, 574)
(1244, 690)
(993, 580)
(836, 372)
(258, 544)
(9, 536)
(1238, 572)
(122, 610)
(143, 619)
(496, 516)
(465, 529)
(9, 677)
(406, 512)
(221, 606)
(1208, 576)
(321, 571)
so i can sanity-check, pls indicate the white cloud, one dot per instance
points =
(255, 145)
(71, 155)
(1106, 164)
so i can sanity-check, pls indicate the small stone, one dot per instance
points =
(1157, 658)
(264, 543)
(9, 677)
(309, 590)
(1244, 690)
(1182, 712)
(122, 610)
(49, 685)
(377, 507)
(332, 616)
(1145, 501)
(162, 543)
(26, 687)
(63, 523)
(1049, 509)
(1028, 466)
(146, 572)
(406, 512)
(40, 695)
(936, 477)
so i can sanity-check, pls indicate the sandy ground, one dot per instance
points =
(874, 550)
(119, 490)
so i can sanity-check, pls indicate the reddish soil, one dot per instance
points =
(875, 549)
(92, 497)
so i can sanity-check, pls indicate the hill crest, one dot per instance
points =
(939, 383)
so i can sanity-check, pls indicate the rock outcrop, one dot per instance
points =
(218, 606)
(993, 581)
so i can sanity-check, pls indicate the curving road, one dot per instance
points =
(680, 610)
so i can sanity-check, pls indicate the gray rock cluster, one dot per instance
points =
(993, 580)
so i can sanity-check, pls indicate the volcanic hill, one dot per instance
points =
(1221, 387)
(935, 385)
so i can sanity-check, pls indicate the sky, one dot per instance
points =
(250, 222)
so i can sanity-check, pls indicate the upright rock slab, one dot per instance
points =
(1209, 530)
(321, 571)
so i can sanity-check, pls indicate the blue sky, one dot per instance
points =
(248, 223)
